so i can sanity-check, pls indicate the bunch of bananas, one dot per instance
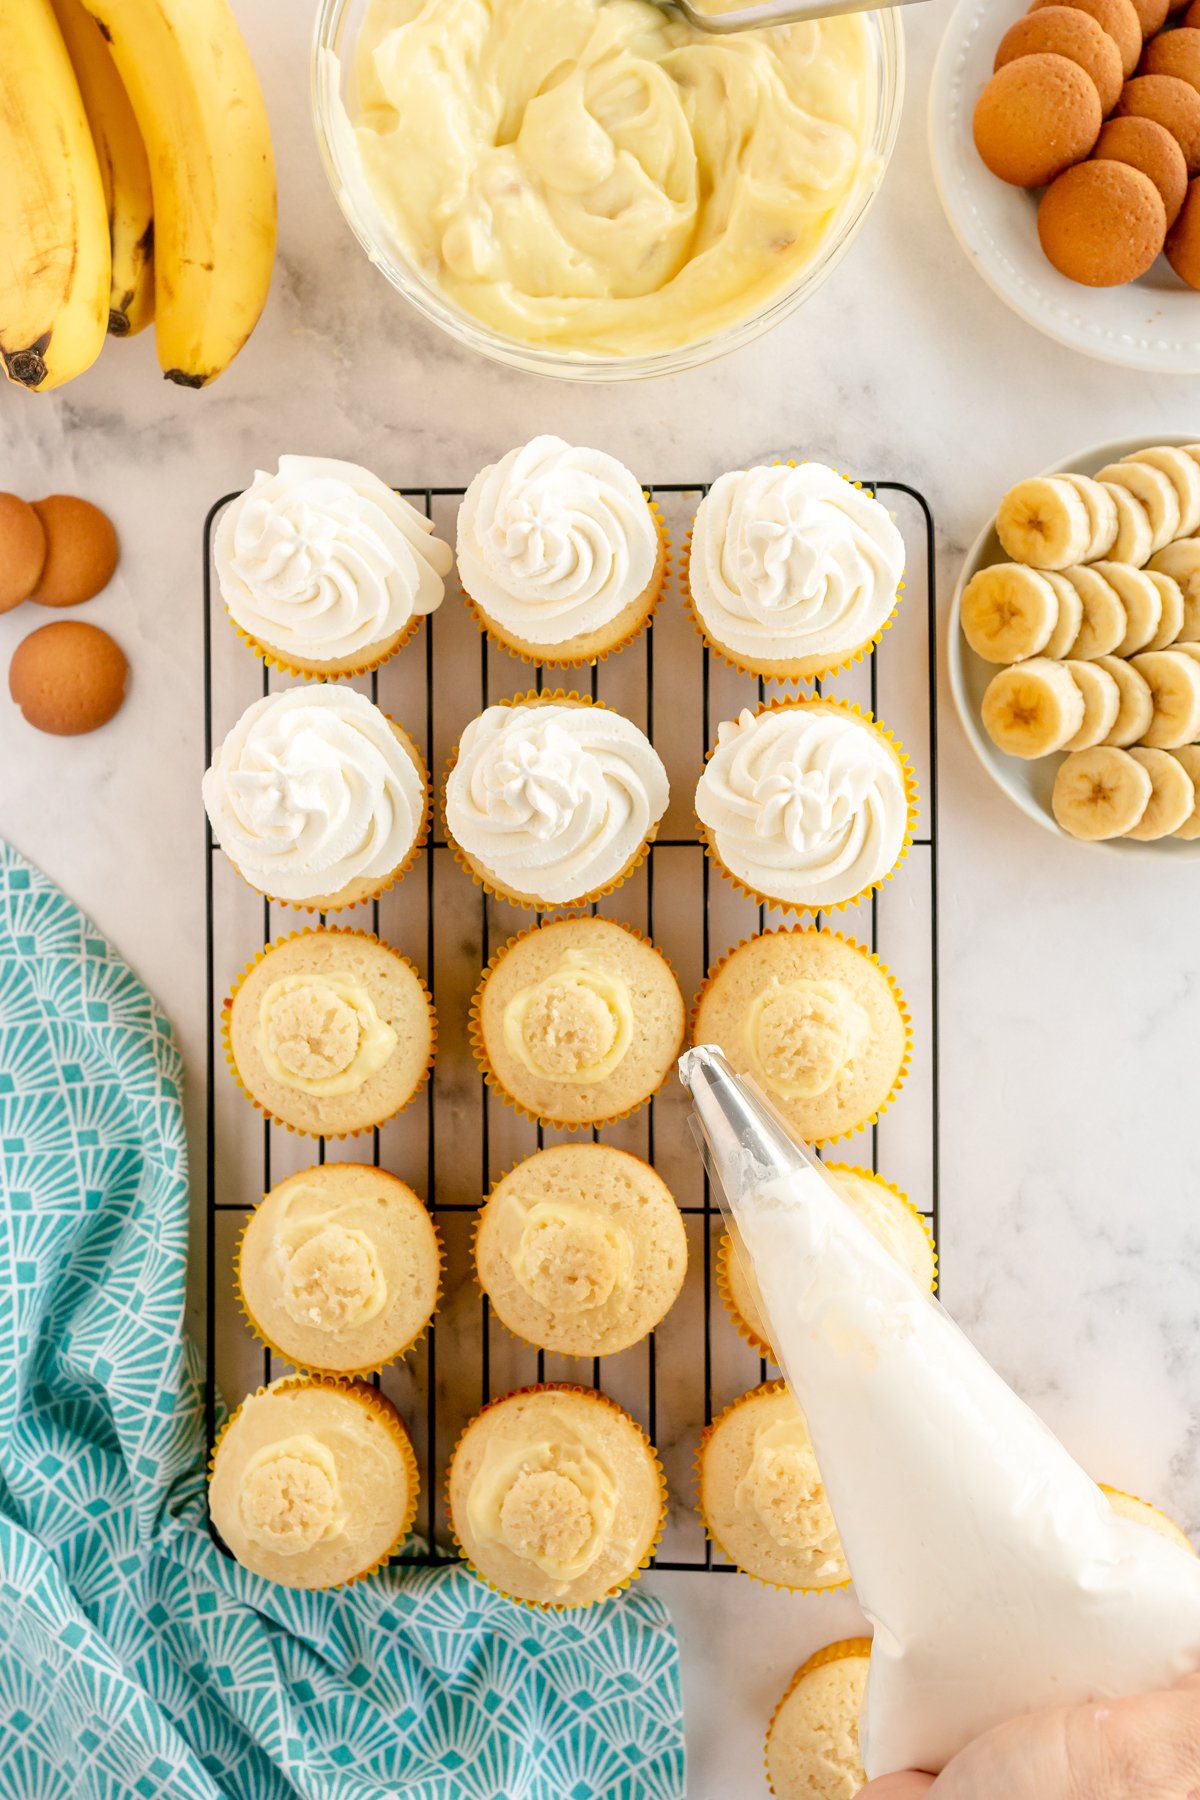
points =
(137, 182)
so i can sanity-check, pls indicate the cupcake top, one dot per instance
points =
(315, 789)
(323, 561)
(313, 1483)
(804, 802)
(793, 564)
(812, 1744)
(553, 799)
(555, 541)
(555, 1496)
(581, 1249)
(762, 1496)
(338, 1268)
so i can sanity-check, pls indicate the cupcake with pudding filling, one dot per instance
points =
(793, 572)
(560, 554)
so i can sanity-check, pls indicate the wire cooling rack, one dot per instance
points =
(458, 1138)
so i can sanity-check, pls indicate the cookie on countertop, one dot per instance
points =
(68, 678)
(1146, 145)
(1102, 223)
(81, 550)
(22, 551)
(1066, 31)
(1036, 117)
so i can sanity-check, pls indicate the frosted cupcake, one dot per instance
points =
(812, 1748)
(552, 799)
(581, 1249)
(318, 799)
(792, 572)
(338, 1269)
(556, 1496)
(324, 569)
(330, 1032)
(559, 553)
(313, 1482)
(761, 1496)
(806, 804)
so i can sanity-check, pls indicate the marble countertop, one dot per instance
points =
(1070, 980)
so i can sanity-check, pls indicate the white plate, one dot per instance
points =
(1151, 324)
(1029, 784)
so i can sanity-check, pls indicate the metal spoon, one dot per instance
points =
(772, 12)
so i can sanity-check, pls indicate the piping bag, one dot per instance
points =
(995, 1574)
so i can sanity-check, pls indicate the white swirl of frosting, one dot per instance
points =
(311, 791)
(805, 803)
(554, 800)
(322, 560)
(555, 541)
(789, 563)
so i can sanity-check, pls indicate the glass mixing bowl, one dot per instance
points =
(337, 27)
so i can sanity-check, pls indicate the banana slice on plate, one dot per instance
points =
(1104, 621)
(1183, 471)
(1174, 612)
(1008, 612)
(1101, 704)
(1045, 523)
(1185, 648)
(1033, 709)
(1172, 795)
(1181, 562)
(1102, 512)
(1189, 759)
(1156, 492)
(1136, 708)
(1141, 599)
(1174, 683)
(1134, 542)
(1100, 793)
(1070, 615)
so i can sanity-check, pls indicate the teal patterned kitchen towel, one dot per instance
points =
(135, 1660)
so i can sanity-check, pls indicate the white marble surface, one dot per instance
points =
(1070, 981)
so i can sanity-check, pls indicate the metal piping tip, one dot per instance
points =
(742, 1139)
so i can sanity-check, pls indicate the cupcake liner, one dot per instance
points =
(276, 659)
(764, 1387)
(1123, 1494)
(580, 661)
(909, 1205)
(560, 1606)
(833, 1137)
(910, 795)
(573, 698)
(302, 1368)
(832, 1653)
(374, 1402)
(326, 931)
(479, 1049)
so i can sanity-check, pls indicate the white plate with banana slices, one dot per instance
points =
(1114, 583)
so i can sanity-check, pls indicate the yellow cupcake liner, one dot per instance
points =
(1124, 1494)
(910, 795)
(832, 1653)
(479, 1048)
(833, 1137)
(327, 931)
(782, 1587)
(559, 1606)
(275, 659)
(552, 661)
(368, 1369)
(571, 697)
(374, 1402)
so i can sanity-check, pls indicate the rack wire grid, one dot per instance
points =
(458, 1138)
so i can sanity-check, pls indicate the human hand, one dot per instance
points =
(1146, 1748)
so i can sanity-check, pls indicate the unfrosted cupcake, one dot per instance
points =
(792, 572)
(886, 1212)
(338, 1269)
(313, 1482)
(1141, 1512)
(330, 1032)
(761, 1495)
(317, 798)
(581, 1249)
(324, 569)
(812, 1750)
(577, 1022)
(556, 1496)
(559, 552)
(805, 804)
(552, 799)
(816, 1020)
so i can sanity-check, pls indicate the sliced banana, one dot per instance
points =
(1156, 492)
(1181, 562)
(1101, 704)
(1045, 523)
(1070, 615)
(1183, 471)
(1172, 795)
(1100, 793)
(1171, 621)
(1174, 683)
(1134, 542)
(1104, 622)
(1008, 612)
(1185, 648)
(1033, 708)
(1188, 759)
(1137, 702)
(1141, 600)
(1101, 511)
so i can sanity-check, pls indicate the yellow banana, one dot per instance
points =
(198, 103)
(54, 254)
(124, 169)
